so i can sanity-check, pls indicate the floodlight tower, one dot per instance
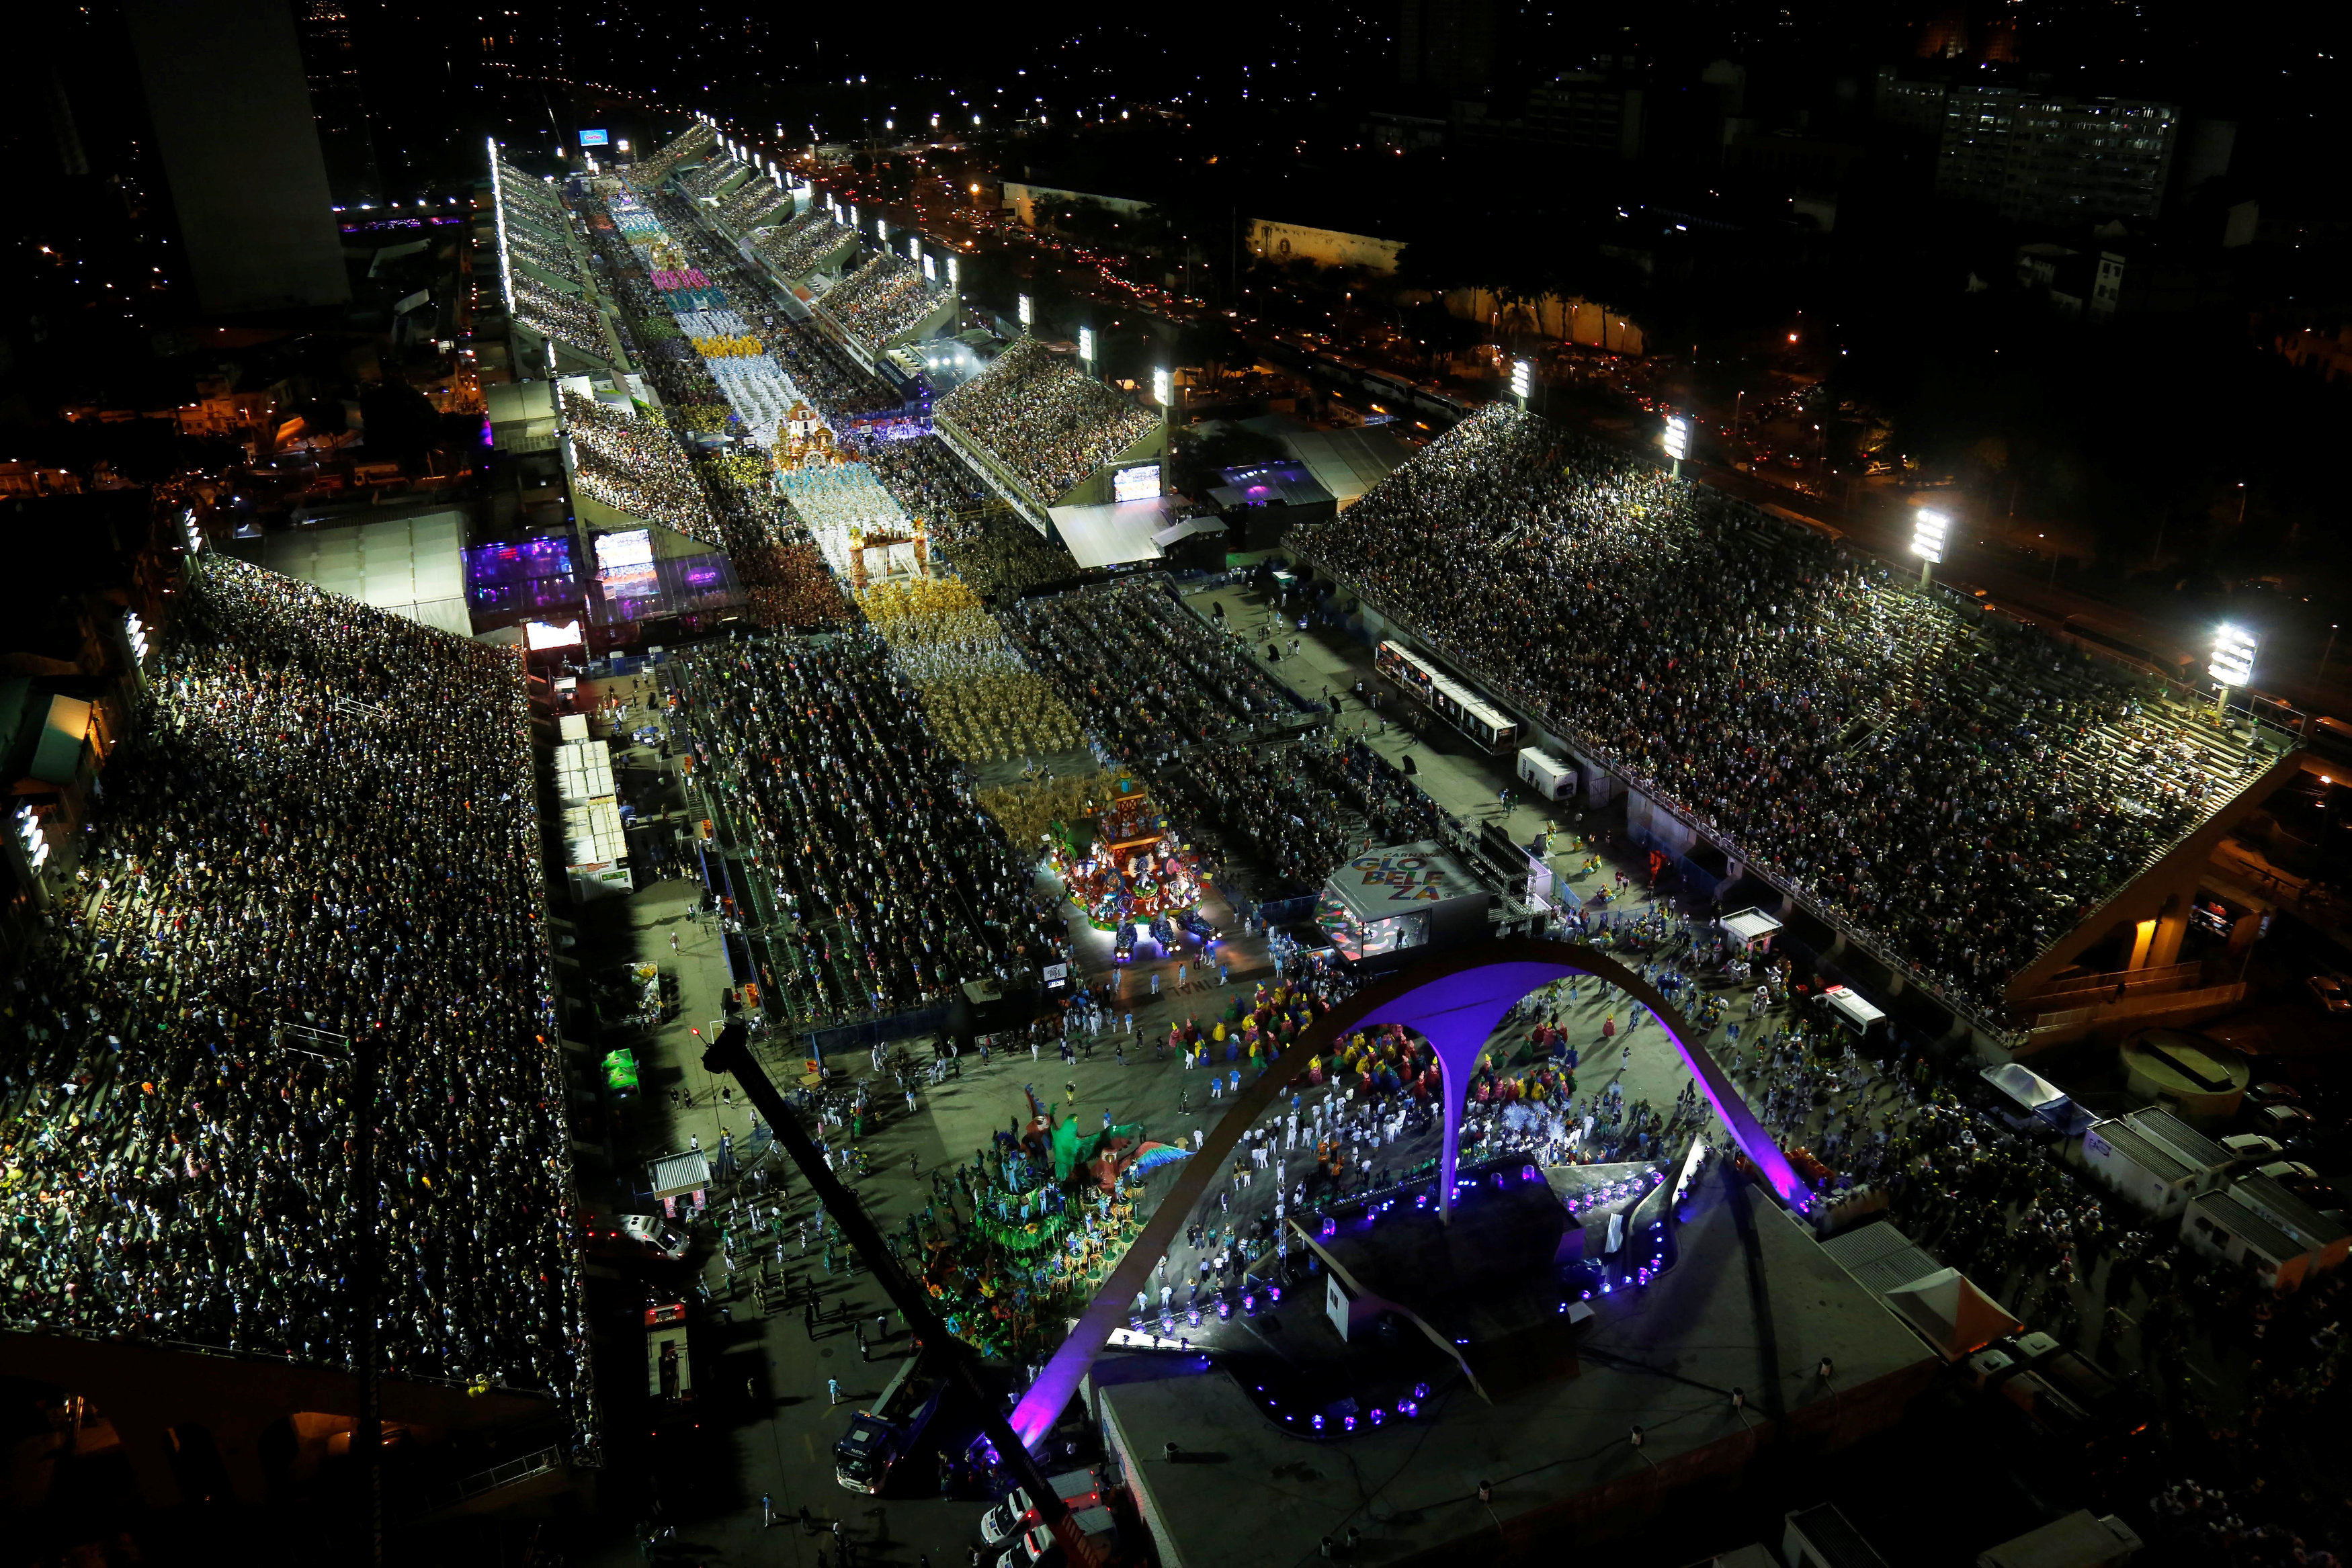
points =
(2232, 664)
(1163, 392)
(1929, 532)
(1676, 441)
(1522, 379)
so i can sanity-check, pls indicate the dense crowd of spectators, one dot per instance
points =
(1963, 792)
(1001, 555)
(791, 586)
(635, 466)
(929, 481)
(834, 384)
(1044, 418)
(525, 245)
(1295, 824)
(759, 201)
(327, 829)
(1147, 675)
(683, 148)
(705, 181)
(552, 313)
(883, 298)
(892, 887)
(795, 248)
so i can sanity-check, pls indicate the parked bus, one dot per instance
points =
(1455, 702)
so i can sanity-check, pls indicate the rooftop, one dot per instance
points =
(1664, 1357)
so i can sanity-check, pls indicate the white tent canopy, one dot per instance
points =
(1750, 924)
(1951, 1313)
(410, 566)
(1113, 535)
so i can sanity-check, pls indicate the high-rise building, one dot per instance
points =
(1446, 46)
(1587, 111)
(232, 116)
(338, 103)
(2038, 157)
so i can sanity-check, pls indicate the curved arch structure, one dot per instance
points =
(1454, 1002)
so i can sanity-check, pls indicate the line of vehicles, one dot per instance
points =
(905, 1419)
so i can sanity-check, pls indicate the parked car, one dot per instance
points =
(2285, 1120)
(635, 1236)
(2272, 1094)
(2329, 993)
(2252, 1147)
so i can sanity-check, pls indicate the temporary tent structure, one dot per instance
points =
(1952, 1314)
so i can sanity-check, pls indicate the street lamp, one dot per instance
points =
(1929, 531)
(1522, 378)
(2232, 664)
(1677, 440)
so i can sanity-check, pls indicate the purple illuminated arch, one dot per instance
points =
(1454, 1002)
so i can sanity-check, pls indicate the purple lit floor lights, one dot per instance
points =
(1454, 1002)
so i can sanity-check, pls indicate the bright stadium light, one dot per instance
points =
(915, 250)
(29, 836)
(1676, 440)
(2234, 662)
(1929, 529)
(954, 279)
(852, 215)
(135, 631)
(499, 213)
(882, 233)
(1086, 344)
(1164, 388)
(1522, 378)
(1024, 310)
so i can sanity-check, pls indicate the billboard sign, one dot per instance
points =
(595, 139)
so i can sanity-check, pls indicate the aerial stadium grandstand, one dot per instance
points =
(312, 881)
(762, 204)
(1965, 800)
(886, 302)
(815, 242)
(1046, 433)
(687, 147)
(552, 302)
(629, 470)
